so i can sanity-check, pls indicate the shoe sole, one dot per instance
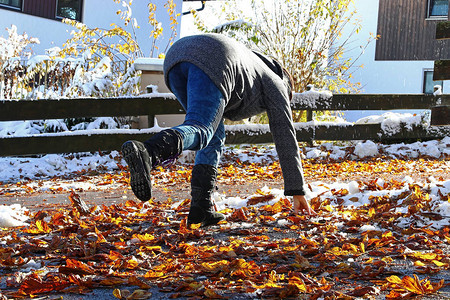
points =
(140, 181)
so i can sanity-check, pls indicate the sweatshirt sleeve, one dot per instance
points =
(283, 133)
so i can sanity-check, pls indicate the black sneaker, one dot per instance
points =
(139, 164)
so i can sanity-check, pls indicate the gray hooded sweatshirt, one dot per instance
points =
(251, 84)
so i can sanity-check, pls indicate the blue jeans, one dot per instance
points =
(203, 129)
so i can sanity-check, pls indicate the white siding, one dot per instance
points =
(385, 77)
(96, 13)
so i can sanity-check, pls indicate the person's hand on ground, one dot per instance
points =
(302, 206)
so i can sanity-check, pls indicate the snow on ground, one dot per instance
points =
(350, 196)
(47, 166)
(12, 216)
(13, 169)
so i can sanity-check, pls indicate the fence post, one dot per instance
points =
(309, 118)
(151, 121)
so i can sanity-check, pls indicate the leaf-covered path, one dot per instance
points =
(379, 234)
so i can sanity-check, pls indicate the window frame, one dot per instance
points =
(8, 6)
(80, 7)
(436, 17)
(424, 79)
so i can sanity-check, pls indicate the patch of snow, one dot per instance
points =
(365, 149)
(391, 123)
(12, 215)
(369, 228)
(353, 187)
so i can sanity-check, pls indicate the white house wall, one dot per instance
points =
(385, 77)
(96, 13)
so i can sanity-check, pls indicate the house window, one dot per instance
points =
(437, 8)
(428, 83)
(12, 3)
(70, 9)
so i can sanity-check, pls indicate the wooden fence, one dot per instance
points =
(101, 140)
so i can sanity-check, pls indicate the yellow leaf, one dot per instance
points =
(132, 264)
(447, 238)
(117, 293)
(387, 259)
(369, 261)
(42, 226)
(195, 286)
(425, 256)
(439, 263)
(387, 234)
(153, 274)
(298, 283)
(362, 247)
(113, 281)
(418, 263)
(371, 212)
(195, 226)
(151, 248)
(215, 266)
(394, 279)
(328, 208)
(144, 237)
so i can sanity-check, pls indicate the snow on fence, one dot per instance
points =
(389, 130)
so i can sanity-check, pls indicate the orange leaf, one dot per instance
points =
(112, 281)
(101, 238)
(240, 214)
(76, 267)
(113, 255)
(259, 199)
(298, 283)
(412, 285)
(212, 294)
(133, 280)
(34, 285)
(79, 204)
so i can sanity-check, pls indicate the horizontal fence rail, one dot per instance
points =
(87, 107)
(11, 110)
(102, 140)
